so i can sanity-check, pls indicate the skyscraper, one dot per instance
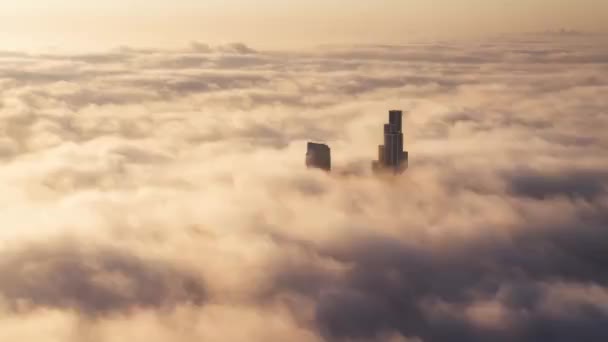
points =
(318, 156)
(391, 155)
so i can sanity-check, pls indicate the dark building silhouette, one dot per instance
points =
(318, 156)
(391, 156)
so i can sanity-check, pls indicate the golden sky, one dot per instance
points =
(29, 23)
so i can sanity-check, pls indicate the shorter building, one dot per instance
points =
(318, 156)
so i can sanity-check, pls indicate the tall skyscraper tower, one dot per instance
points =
(318, 156)
(391, 155)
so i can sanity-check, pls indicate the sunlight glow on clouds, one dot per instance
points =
(161, 194)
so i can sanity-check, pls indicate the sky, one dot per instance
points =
(266, 23)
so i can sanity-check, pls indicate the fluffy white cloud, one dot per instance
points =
(162, 194)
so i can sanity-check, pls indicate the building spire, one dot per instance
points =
(391, 155)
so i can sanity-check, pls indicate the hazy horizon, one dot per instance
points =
(270, 24)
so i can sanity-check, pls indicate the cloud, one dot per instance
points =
(162, 194)
(586, 185)
(433, 290)
(92, 281)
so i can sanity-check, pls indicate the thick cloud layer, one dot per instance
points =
(92, 282)
(162, 195)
